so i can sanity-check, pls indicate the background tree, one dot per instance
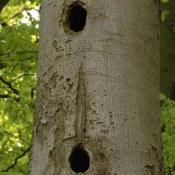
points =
(167, 51)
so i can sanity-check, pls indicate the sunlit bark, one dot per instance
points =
(98, 89)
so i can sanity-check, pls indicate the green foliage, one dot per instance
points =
(18, 56)
(167, 14)
(168, 133)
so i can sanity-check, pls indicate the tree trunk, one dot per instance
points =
(97, 109)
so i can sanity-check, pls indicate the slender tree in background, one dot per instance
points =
(167, 51)
(97, 109)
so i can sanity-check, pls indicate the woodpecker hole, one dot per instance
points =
(76, 17)
(79, 160)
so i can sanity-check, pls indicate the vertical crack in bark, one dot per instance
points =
(81, 106)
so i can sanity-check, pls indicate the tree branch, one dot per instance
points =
(8, 96)
(3, 3)
(16, 160)
(9, 85)
(25, 74)
(4, 96)
(19, 52)
(4, 23)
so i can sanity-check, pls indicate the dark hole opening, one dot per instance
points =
(77, 17)
(79, 160)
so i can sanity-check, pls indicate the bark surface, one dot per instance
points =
(99, 89)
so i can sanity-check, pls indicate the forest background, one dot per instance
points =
(19, 39)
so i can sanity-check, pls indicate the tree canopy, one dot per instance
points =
(18, 57)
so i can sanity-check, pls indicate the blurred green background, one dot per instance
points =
(19, 38)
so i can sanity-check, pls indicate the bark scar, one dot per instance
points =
(151, 169)
(80, 125)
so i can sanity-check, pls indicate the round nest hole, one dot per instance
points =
(77, 15)
(79, 160)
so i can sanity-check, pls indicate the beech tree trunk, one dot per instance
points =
(97, 110)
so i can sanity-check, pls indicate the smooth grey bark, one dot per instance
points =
(99, 88)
